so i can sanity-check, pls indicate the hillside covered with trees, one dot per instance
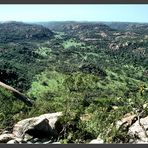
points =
(95, 73)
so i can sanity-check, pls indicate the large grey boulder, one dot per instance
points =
(13, 142)
(56, 143)
(140, 130)
(96, 141)
(4, 138)
(126, 121)
(140, 142)
(44, 125)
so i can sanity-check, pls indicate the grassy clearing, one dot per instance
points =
(71, 42)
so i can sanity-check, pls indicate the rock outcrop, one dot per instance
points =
(41, 129)
(126, 121)
(136, 127)
(43, 125)
(96, 141)
(4, 138)
(140, 130)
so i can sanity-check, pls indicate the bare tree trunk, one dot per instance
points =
(17, 94)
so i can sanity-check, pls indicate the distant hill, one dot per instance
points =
(119, 25)
(64, 25)
(128, 26)
(81, 30)
(72, 25)
(16, 31)
(139, 28)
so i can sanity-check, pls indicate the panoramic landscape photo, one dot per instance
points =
(73, 74)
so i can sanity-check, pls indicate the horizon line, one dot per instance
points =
(71, 21)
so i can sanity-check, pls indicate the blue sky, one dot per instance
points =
(83, 12)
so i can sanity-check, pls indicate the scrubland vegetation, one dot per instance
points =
(93, 73)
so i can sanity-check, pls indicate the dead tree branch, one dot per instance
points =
(17, 94)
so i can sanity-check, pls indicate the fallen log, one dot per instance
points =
(17, 94)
